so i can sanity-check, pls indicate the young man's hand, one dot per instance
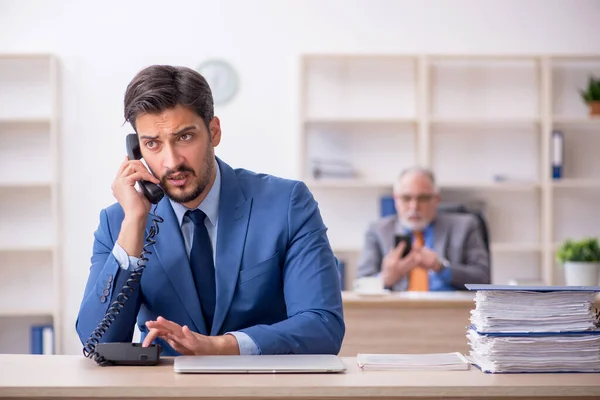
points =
(186, 342)
(134, 204)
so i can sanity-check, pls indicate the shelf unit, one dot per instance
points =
(29, 199)
(483, 123)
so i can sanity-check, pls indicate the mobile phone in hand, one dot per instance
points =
(407, 239)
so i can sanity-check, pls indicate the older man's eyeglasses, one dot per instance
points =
(420, 198)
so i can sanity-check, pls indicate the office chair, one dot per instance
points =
(462, 209)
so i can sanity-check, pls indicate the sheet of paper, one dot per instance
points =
(429, 361)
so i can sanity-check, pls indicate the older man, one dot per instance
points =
(448, 249)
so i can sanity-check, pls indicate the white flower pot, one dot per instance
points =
(582, 273)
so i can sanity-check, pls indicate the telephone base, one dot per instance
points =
(129, 353)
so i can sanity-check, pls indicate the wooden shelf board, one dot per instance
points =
(507, 186)
(27, 313)
(20, 56)
(27, 248)
(27, 184)
(576, 183)
(25, 120)
(347, 184)
(483, 57)
(360, 121)
(360, 57)
(515, 247)
(593, 121)
(502, 121)
(575, 57)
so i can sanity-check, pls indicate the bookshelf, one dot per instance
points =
(482, 123)
(29, 207)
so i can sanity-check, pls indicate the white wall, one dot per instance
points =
(101, 45)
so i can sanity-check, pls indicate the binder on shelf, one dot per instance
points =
(336, 169)
(387, 206)
(42, 339)
(558, 142)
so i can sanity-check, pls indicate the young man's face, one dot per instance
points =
(179, 150)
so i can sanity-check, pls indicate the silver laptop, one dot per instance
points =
(264, 364)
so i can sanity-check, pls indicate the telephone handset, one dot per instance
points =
(152, 191)
(128, 353)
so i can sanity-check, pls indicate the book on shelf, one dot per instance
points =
(42, 339)
(558, 154)
(516, 329)
(333, 169)
(410, 362)
(387, 206)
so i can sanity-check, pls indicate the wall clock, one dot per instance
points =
(222, 79)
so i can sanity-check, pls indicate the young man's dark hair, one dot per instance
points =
(160, 87)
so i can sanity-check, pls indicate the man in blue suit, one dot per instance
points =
(241, 263)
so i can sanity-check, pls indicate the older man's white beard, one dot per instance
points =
(414, 225)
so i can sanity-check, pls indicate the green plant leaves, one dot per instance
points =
(585, 250)
(592, 93)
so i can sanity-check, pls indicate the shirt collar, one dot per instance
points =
(210, 204)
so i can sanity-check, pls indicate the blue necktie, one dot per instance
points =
(203, 269)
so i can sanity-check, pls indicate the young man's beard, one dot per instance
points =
(197, 184)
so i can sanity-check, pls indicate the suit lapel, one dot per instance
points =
(389, 232)
(170, 251)
(234, 214)
(440, 236)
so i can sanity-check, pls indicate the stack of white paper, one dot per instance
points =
(523, 311)
(406, 362)
(544, 353)
(544, 330)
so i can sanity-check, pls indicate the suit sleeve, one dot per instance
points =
(315, 323)
(369, 262)
(476, 267)
(105, 281)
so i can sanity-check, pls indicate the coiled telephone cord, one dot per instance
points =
(89, 350)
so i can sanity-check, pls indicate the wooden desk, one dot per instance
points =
(404, 322)
(47, 377)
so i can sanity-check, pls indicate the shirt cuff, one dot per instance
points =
(446, 273)
(247, 346)
(125, 261)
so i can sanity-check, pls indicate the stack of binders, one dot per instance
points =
(535, 329)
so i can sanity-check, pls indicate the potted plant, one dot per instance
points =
(591, 95)
(581, 260)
